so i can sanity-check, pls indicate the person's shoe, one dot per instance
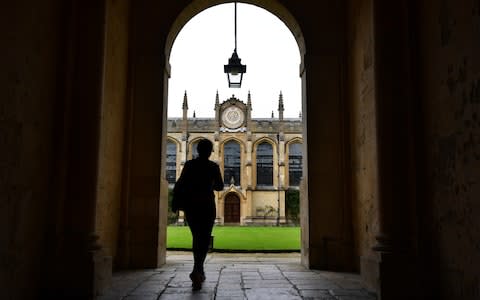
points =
(202, 277)
(196, 278)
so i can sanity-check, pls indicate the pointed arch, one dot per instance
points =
(294, 153)
(243, 147)
(274, 162)
(232, 162)
(176, 141)
(294, 140)
(172, 157)
(264, 164)
(192, 146)
(232, 210)
(264, 139)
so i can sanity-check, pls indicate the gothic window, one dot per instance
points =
(231, 163)
(194, 150)
(294, 164)
(264, 164)
(171, 167)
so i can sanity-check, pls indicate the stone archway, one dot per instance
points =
(325, 210)
(280, 11)
(146, 30)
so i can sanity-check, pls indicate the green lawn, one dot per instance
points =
(242, 238)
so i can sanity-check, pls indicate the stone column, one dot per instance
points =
(184, 154)
(282, 206)
(281, 162)
(281, 178)
(248, 164)
(77, 258)
(143, 217)
(394, 136)
(328, 244)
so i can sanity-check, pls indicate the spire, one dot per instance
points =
(280, 102)
(280, 106)
(185, 118)
(185, 102)
(217, 108)
(249, 114)
(185, 108)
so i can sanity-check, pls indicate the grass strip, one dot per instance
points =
(240, 238)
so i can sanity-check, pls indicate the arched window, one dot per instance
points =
(294, 164)
(264, 164)
(194, 150)
(171, 167)
(231, 163)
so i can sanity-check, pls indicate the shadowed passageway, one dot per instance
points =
(391, 165)
(237, 276)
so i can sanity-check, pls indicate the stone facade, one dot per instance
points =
(270, 146)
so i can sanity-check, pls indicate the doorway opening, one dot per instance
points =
(259, 149)
(232, 209)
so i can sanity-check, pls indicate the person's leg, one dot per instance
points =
(196, 229)
(202, 243)
(201, 224)
(197, 247)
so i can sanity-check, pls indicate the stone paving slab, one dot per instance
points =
(237, 276)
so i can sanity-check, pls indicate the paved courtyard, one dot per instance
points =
(237, 276)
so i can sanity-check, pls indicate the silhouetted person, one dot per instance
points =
(199, 178)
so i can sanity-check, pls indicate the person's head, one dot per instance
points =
(204, 148)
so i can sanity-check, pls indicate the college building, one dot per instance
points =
(260, 158)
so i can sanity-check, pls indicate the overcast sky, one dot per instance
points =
(264, 44)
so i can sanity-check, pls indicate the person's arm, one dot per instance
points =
(217, 180)
(185, 169)
(179, 188)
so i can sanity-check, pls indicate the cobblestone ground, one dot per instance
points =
(237, 276)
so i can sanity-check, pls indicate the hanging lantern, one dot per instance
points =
(235, 69)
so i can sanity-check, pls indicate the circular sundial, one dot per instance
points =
(233, 117)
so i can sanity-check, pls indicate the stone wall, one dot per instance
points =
(361, 95)
(29, 85)
(449, 71)
(252, 197)
(109, 187)
(328, 244)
